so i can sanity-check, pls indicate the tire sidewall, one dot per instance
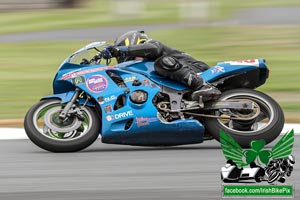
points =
(268, 133)
(53, 145)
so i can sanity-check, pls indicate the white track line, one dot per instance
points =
(19, 133)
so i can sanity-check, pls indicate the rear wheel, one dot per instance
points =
(267, 125)
(46, 130)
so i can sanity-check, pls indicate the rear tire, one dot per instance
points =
(268, 132)
(68, 141)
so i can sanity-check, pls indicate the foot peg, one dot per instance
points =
(194, 104)
(200, 102)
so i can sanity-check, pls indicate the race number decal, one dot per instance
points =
(253, 62)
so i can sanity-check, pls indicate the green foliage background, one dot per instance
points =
(27, 69)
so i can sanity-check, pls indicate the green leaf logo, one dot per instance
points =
(283, 148)
(233, 151)
(265, 156)
(257, 152)
(250, 156)
(257, 145)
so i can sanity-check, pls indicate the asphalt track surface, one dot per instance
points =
(109, 172)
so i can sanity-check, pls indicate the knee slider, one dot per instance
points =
(171, 64)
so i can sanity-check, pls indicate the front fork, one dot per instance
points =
(69, 105)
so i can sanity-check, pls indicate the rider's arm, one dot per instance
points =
(149, 49)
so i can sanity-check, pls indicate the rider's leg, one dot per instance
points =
(170, 67)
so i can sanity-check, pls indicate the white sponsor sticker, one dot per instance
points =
(253, 62)
(119, 115)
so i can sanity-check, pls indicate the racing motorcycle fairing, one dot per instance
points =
(147, 69)
(125, 100)
(228, 68)
(247, 73)
(125, 93)
(237, 74)
(129, 103)
(161, 133)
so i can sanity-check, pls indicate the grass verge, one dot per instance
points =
(97, 13)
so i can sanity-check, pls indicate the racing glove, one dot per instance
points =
(117, 51)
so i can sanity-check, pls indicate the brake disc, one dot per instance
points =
(53, 122)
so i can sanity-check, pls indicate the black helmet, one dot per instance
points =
(131, 38)
(128, 39)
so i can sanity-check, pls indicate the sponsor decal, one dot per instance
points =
(72, 72)
(153, 85)
(103, 100)
(145, 121)
(110, 98)
(129, 79)
(78, 80)
(109, 117)
(217, 69)
(87, 71)
(108, 109)
(119, 115)
(96, 83)
(146, 82)
(253, 62)
(257, 165)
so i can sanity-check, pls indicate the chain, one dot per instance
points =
(163, 106)
(223, 117)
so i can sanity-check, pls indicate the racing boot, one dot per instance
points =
(202, 90)
(206, 93)
(191, 79)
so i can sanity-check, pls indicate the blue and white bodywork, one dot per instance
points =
(135, 105)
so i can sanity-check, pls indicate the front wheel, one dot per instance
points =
(267, 125)
(45, 129)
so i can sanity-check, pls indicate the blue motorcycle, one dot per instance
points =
(130, 104)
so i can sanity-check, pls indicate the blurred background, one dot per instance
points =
(37, 35)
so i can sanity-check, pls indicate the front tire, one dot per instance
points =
(267, 125)
(69, 136)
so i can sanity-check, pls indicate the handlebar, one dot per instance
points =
(104, 54)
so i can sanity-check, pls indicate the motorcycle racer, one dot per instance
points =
(92, 98)
(169, 62)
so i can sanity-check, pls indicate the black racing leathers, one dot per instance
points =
(170, 62)
(152, 49)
